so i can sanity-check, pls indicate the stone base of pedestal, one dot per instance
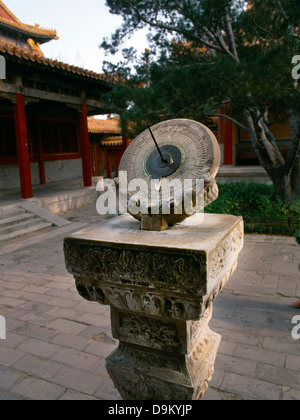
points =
(160, 287)
(161, 359)
(139, 374)
(144, 374)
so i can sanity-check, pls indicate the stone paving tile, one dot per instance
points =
(293, 362)
(75, 358)
(69, 340)
(38, 348)
(9, 357)
(57, 343)
(78, 380)
(291, 395)
(8, 378)
(6, 397)
(37, 366)
(37, 389)
(66, 326)
(259, 355)
(250, 388)
(278, 375)
(76, 396)
(236, 365)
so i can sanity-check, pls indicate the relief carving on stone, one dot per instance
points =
(184, 272)
(139, 387)
(144, 359)
(148, 330)
(221, 258)
(140, 301)
(156, 375)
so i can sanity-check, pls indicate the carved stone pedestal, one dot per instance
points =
(160, 287)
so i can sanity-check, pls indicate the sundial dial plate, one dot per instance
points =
(198, 147)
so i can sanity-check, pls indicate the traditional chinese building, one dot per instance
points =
(107, 146)
(236, 145)
(44, 106)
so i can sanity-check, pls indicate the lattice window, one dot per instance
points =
(8, 146)
(59, 137)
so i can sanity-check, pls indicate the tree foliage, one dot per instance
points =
(205, 53)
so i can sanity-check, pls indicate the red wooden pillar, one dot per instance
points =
(228, 142)
(85, 147)
(22, 147)
(107, 161)
(221, 127)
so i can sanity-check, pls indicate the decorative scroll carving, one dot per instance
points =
(92, 294)
(141, 301)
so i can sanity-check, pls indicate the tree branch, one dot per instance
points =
(269, 144)
(253, 136)
(219, 38)
(279, 4)
(214, 114)
(175, 29)
(231, 36)
(273, 160)
(261, 28)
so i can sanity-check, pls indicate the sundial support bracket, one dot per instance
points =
(155, 222)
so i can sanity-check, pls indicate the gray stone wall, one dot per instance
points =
(55, 171)
(63, 170)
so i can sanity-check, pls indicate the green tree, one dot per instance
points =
(214, 52)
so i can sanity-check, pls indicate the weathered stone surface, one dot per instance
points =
(160, 286)
(154, 222)
(199, 159)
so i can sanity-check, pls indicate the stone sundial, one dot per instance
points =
(178, 149)
(161, 285)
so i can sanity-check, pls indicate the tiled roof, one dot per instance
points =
(7, 18)
(113, 141)
(31, 56)
(109, 126)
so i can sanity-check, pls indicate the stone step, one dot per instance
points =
(26, 218)
(25, 224)
(24, 231)
(15, 219)
(44, 214)
(11, 211)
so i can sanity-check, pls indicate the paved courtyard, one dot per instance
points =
(56, 343)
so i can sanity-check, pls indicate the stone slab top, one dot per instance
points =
(201, 232)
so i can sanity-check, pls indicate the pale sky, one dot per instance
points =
(80, 25)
